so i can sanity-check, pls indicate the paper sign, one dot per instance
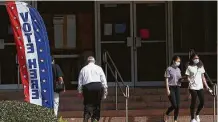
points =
(120, 28)
(144, 33)
(107, 29)
(2, 45)
(71, 31)
(58, 31)
(110, 5)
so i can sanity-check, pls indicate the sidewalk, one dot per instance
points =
(204, 118)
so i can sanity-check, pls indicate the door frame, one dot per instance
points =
(71, 56)
(148, 83)
(168, 42)
(98, 35)
(18, 85)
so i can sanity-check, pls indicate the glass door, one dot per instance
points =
(70, 66)
(150, 42)
(9, 72)
(116, 36)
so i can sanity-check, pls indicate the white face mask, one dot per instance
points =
(196, 61)
(177, 64)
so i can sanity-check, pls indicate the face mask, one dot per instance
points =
(177, 64)
(196, 61)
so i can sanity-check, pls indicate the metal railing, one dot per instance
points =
(214, 102)
(116, 75)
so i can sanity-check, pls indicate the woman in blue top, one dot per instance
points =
(173, 82)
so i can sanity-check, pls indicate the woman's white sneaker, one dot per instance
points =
(198, 118)
(193, 120)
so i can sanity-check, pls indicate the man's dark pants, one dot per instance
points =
(92, 94)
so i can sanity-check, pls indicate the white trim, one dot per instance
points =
(66, 56)
(113, 2)
(2, 3)
(9, 44)
(125, 83)
(11, 86)
(150, 83)
(112, 42)
(74, 82)
(143, 83)
(199, 53)
(150, 2)
(154, 41)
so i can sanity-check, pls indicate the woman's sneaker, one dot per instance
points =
(193, 120)
(165, 117)
(198, 118)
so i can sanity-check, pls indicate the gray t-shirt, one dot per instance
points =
(173, 75)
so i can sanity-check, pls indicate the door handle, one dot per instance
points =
(129, 41)
(138, 42)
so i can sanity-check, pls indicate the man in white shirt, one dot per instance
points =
(93, 85)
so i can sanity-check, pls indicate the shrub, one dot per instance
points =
(61, 120)
(15, 111)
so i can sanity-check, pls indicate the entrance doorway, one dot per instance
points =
(70, 67)
(9, 69)
(135, 34)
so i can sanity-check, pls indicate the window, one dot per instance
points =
(195, 26)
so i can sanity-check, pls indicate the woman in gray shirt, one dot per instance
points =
(173, 83)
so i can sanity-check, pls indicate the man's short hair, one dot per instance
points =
(91, 59)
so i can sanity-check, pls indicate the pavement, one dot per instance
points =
(204, 118)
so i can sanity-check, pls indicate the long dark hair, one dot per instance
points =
(199, 65)
(175, 57)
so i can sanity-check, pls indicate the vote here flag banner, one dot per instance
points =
(33, 52)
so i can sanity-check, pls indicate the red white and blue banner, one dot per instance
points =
(33, 53)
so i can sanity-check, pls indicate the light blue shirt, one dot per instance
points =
(173, 74)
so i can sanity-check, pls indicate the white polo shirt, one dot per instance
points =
(91, 73)
(195, 77)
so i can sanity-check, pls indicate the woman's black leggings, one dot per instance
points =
(194, 95)
(174, 98)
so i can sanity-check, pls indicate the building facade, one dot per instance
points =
(141, 38)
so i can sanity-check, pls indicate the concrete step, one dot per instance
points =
(111, 92)
(121, 99)
(72, 96)
(133, 113)
(133, 91)
(131, 105)
(204, 118)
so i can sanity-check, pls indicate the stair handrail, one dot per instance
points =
(214, 102)
(116, 74)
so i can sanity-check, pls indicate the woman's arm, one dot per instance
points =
(167, 86)
(205, 82)
(62, 80)
(187, 74)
